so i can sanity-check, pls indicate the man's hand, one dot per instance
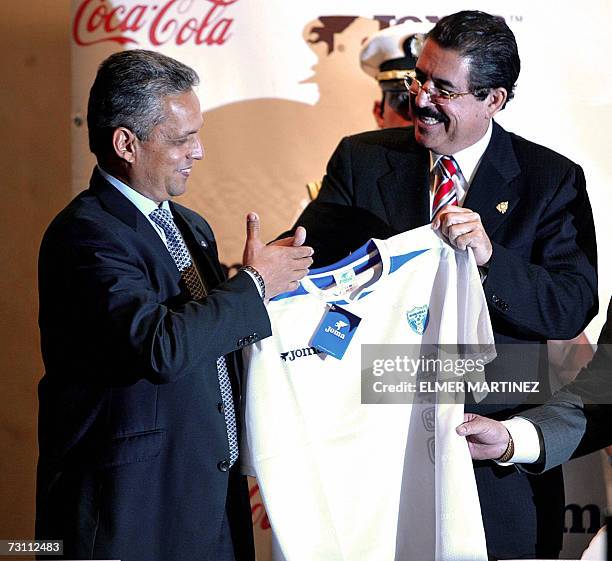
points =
(462, 228)
(282, 263)
(487, 439)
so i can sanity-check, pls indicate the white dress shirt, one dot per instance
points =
(142, 203)
(467, 160)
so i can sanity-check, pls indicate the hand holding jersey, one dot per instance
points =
(462, 228)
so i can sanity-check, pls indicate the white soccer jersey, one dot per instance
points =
(342, 480)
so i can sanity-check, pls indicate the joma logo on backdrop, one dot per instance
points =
(179, 21)
(577, 519)
(331, 25)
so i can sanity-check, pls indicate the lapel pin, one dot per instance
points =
(502, 207)
(203, 243)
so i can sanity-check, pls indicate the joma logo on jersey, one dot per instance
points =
(339, 325)
(299, 353)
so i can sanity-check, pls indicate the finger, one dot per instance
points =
(442, 214)
(475, 238)
(283, 242)
(299, 274)
(301, 264)
(453, 209)
(450, 215)
(461, 233)
(253, 227)
(299, 236)
(300, 252)
(452, 218)
(472, 424)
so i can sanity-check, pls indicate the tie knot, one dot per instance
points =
(163, 218)
(448, 165)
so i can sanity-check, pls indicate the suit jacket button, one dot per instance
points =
(223, 465)
(221, 407)
(240, 342)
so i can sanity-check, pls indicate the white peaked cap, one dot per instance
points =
(388, 45)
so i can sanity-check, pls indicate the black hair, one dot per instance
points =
(489, 45)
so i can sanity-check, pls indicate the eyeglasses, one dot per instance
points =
(436, 95)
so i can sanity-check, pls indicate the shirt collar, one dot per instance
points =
(468, 158)
(142, 203)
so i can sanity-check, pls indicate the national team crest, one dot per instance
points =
(431, 449)
(429, 419)
(418, 319)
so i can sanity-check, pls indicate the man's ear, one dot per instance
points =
(495, 100)
(124, 144)
(377, 111)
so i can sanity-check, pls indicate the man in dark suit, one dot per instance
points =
(140, 332)
(521, 208)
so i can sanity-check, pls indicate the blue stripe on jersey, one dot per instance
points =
(369, 247)
(398, 260)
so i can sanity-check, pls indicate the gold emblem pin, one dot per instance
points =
(502, 207)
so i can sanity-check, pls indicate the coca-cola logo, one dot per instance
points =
(199, 22)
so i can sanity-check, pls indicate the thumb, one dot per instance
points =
(469, 426)
(252, 227)
(299, 237)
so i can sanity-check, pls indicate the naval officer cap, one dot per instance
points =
(390, 53)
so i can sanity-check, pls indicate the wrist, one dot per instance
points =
(256, 276)
(508, 452)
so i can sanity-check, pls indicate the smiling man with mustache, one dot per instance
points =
(522, 208)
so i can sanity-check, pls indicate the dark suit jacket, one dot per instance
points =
(132, 437)
(541, 282)
(578, 419)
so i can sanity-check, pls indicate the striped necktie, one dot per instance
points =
(445, 193)
(179, 252)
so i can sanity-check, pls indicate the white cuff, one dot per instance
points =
(526, 441)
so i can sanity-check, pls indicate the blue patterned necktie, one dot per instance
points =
(179, 252)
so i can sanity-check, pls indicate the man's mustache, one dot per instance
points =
(428, 112)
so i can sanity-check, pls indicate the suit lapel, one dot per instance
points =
(199, 245)
(492, 193)
(121, 208)
(405, 189)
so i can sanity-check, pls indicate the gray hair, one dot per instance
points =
(128, 92)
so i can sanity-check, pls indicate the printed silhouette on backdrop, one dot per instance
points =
(261, 153)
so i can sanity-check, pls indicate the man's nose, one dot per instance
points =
(197, 152)
(422, 97)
